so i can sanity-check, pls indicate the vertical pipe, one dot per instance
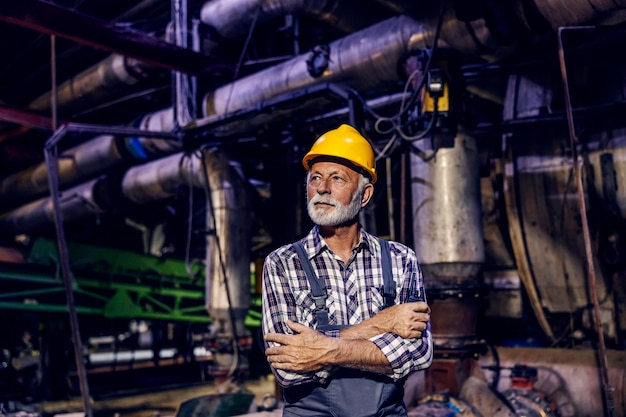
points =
(608, 390)
(447, 233)
(68, 280)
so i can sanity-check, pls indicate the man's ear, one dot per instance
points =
(368, 192)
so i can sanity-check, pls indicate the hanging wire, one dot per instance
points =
(396, 121)
(241, 56)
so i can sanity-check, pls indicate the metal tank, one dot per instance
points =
(447, 230)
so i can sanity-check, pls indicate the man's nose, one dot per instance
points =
(323, 187)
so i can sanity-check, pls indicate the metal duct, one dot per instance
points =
(361, 60)
(77, 203)
(364, 59)
(228, 238)
(75, 164)
(560, 13)
(98, 83)
(92, 158)
(446, 208)
(447, 230)
(232, 18)
(228, 212)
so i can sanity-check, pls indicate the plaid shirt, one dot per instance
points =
(355, 293)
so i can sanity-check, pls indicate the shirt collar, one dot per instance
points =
(316, 245)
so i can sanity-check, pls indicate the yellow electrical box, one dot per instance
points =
(443, 102)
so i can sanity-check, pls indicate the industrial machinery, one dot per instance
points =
(141, 192)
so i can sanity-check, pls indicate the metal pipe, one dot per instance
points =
(604, 374)
(232, 18)
(560, 13)
(76, 204)
(448, 233)
(111, 77)
(361, 60)
(95, 156)
(68, 279)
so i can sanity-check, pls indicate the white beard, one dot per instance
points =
(337, 215)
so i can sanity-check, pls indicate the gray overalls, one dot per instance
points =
(350, 392)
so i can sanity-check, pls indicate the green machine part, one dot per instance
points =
(112, 283)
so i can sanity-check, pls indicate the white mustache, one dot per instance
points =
(325, 199)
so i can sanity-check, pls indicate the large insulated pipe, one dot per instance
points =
(362, 60)
(77, 203)
(228, 211)
(233, 18)
(447, 232)
(93, 157)
(228, 240)
(110, 77)
(558, 13)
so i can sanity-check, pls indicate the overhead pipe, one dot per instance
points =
(104, 152)
(558, 13)
(108, 78)
(111, 77)
(117, 73)
(232, 18)
(77, 204)
(228, 212)
(93, 157)
(362, 60)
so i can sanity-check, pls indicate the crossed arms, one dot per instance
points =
(309, 351)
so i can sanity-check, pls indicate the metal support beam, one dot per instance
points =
(52, 19)
(23, 117)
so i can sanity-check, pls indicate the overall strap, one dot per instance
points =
(318, 288)
(389, 288)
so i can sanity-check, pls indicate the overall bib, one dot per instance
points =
(350, 392)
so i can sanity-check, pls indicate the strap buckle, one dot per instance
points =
(320, 302)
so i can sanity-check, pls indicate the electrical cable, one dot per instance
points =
(418, 90)
(241, 56)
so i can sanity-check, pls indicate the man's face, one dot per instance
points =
(334, 194)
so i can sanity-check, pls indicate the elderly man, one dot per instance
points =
(344, 313)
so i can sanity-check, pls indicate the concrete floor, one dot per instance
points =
(159, 403)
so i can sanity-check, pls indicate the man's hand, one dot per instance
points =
(407, 320)
(305, 351)
(311, 351)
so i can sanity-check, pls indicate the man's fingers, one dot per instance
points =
(274, 350)
(278, 338)
(297, 327)
(420, 307)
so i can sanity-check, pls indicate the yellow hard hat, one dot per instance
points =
(346, 143)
